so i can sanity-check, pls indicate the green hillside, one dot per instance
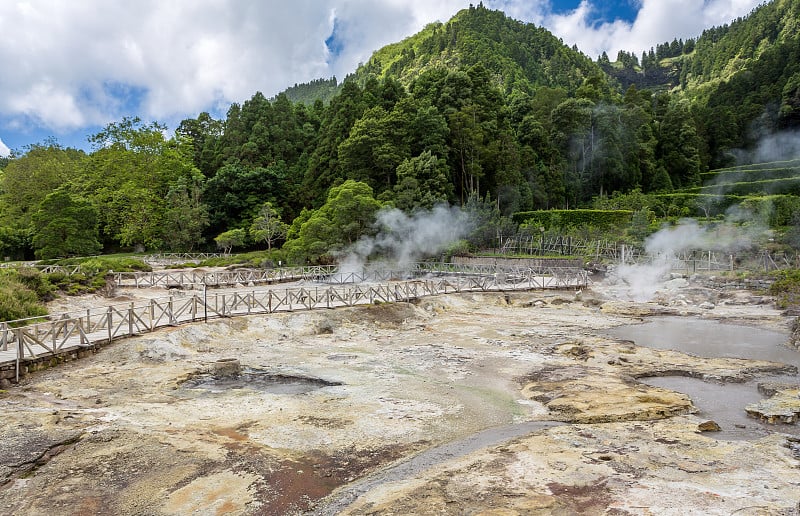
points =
(482, 111)
(517, 55)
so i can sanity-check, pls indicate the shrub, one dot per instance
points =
(102, 264)
(786, 288)
(37, 282)
(574, 218)
(18, 301)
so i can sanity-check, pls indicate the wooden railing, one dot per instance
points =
(191, 277)
(320, 274)
(173, 258)
(28, 339)
(45, 269)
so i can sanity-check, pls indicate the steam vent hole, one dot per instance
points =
(227, 374)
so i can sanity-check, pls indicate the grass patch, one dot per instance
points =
(256, 259)
(17, 301)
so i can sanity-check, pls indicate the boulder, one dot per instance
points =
(709, 426)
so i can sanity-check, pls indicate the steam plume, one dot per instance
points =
(641, 281)
(404, 239)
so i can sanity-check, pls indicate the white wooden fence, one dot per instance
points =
(27, 339)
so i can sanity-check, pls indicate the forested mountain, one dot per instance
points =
(742, 77)
(517, 56)
(309, 92)
(481, 107)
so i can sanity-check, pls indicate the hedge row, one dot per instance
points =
(750, 174)
(574, 218)
(789, 186)
(776, 210)
(762, 166)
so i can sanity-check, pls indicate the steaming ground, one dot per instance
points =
(124, 432)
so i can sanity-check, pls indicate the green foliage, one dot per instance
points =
(186, 215)
(130, 175)
(227, 240)
(92, 277)
(103, 264)
(267, 226)
(479, 107)
(28, 179)
(37, 282)
(517, 54)
(14, 242)
(574, 218)
(347, 215)
(421, 183)
(786, 288)
(257, 259)
(17, 301)
(643, 223)
(310, 92)
(487, 222)
(65, 225)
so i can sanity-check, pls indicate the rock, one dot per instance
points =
(676, 284)
(782, 407)
(709, 426)
(226, 368)
(706, 306)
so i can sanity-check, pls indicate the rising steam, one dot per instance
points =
(405, 239)
(781, 146)
(641, 281)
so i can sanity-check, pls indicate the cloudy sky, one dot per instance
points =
(70, 67)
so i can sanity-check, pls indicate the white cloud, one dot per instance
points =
(658, 21)
(75, 64)
(4, 150)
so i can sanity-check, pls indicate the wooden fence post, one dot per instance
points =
(110, 327)
(20, 350)
(130, 320)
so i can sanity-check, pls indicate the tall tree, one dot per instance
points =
(65, 225)
(679, 145)
(186, 216)
(129, 175)
(27, 180)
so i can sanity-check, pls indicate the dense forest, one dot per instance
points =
(481, 109)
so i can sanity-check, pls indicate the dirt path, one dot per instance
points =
(375, 394)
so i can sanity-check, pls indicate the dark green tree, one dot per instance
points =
(186, 215)
(65, 225)
(347, 215)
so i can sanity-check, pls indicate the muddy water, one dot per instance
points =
(724, 403)
(708, 338)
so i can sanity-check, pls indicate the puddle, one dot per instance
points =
(255, 380)
(724, 403)
(707, 338)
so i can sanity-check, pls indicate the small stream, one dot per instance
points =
(423, 461)
(724, 403)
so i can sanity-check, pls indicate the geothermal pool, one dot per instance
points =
(723, 403)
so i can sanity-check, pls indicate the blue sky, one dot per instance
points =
(70, 68)
(605, 11)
